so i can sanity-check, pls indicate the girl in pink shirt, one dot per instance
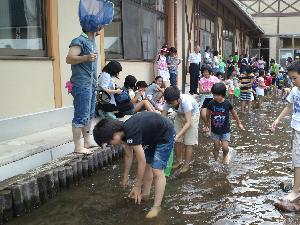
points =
(205, 85)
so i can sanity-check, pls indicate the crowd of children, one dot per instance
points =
(152, 136)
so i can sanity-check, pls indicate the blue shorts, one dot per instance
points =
(220, 137)
(158, 155)
(84, 105)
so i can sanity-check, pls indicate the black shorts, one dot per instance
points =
(205, 103)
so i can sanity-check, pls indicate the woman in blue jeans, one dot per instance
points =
(83, 59)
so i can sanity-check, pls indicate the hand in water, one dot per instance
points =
(136, 194)
(241, 127)
(274, 125)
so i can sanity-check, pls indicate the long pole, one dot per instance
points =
(183, 48)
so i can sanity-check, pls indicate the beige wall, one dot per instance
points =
(68, 28)
(273, 47)
(143, 71)
(289, 25)
(26, 87)
(268, 24)
(181, 51)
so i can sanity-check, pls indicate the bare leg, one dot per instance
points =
(145, 104)
(160, 183)
(243, 103)
(225, 148)
(295, 192)
(147, 182)
(179, 148)
(76, 139)
(203, 117)
(87, 136)
(217, 146)
(249, 106)
(188, 157)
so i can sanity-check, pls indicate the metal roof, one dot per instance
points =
(249, 17)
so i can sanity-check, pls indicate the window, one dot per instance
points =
(286, 43)
(131, 38)
(207, 27)
(113, 34)
(22, 28)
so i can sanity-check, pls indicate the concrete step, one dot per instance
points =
(27, 152)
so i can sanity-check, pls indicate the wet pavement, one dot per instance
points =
(243, 193)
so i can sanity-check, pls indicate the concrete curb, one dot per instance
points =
(21, 194)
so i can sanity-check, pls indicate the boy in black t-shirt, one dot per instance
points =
(151, 137)
(218, 113)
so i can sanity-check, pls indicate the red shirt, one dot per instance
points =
(268, 81)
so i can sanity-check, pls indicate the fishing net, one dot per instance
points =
(94, 14)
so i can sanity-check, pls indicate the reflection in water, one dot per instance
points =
(242, 193)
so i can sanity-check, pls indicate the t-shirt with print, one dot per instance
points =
(294, 98)
(246, 79)
(220, 123)
(207, 84)
(187, 103)
(148, 128)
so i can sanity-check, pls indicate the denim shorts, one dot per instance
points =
(220, 137)
(158, 155)
(84, 105)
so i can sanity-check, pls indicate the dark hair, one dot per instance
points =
(256, 59)
(218, 74)
(141, 84)
(208, 68)
(272, 73)
(261, 73)
(245, 55)
(171, 94)
(158, 77)
(236, 53)
(272, 61)
(230, 56)
(113, 68)
(130, 82)
(215, 53)
(207, 48)
(103, 132)
(294, 67)
(219, 89)
(173, 50)
(249, 69)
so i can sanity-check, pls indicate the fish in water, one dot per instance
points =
(287, 206)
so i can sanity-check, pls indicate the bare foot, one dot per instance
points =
(153, 212)
(292, 196)
(185, 169)
(82, 150)
(226, 159)
(90, 143)
(176, 164)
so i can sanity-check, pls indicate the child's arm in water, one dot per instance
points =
(127, 165)
(136, 192)
(186, 126)
(284, 113)
(237, 119)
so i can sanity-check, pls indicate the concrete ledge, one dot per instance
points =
(33, 123)
(23, 193)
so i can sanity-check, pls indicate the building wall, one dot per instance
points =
(26, 87)
(289, 25)
(268, 24)
(143, 71)
(69, 28)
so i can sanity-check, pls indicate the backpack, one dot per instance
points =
(123, 97)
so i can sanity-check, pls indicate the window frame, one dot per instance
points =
(29, 53)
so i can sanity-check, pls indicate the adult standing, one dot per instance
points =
(230, 65)
(194, 69)
(83, 59)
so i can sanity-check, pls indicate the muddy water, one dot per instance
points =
(243, 193)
